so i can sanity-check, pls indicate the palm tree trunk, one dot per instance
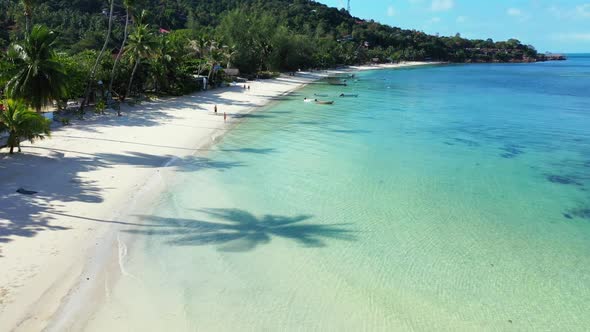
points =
(11, 142)
(104, 46)
(28, 12)
(128, 92)
(120, 53)
(27, 24)
(210, 76)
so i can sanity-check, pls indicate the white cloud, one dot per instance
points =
(583, 10)
(514, 12)
(391, 11)
(461, 19)
(572, 36)
(565, 13)
(434, 20)
(442, 5)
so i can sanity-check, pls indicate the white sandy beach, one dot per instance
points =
(392, 65)
(55, 243)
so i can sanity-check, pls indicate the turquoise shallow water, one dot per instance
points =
(442, 198)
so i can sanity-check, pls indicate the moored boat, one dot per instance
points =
(324, 102)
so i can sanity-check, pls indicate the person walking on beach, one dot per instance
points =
(215, 109)
(224, 117)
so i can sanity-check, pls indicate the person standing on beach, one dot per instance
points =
(224, 117)
(215, 109)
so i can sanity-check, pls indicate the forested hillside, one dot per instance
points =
(122, 48)
(81, 25)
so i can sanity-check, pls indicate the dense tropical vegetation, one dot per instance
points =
(36, 75)
(198, 37)
(92, 50)
(21, 123)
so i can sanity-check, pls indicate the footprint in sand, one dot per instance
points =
(3, 294)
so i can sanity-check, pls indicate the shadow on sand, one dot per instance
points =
(27, 215)
(235, 230)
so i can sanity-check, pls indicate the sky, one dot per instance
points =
(549, 25)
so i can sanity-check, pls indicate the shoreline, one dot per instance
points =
(89, 175)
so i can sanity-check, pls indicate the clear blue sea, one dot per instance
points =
(442, 198)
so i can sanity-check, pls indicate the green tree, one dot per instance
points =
(161, 65)
(39, 77)
(142, 44)
(77, 68)
(99, 57)
(129, 4)
(28, 12)
(229, 53)
(213, 57)
(199, 48)
(6, 68)
(251, 33)
(22, 123)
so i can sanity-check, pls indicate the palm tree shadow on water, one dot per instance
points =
(240, 231)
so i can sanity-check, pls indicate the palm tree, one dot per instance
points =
(211, 56)
(141, 45)
(28, 12)
(200, 47)
(215, 55)
(128, 14)
(229, 53)
(39, 77)
(100, 54)
(161, 63)
(20, 122)
(209, 51)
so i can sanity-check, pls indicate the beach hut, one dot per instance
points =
(232, 72)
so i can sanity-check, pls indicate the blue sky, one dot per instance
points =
(549, 25)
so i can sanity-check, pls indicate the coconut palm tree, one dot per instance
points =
(162, 63)
(28, 12)
(199, 45)
(229, 53)
(141, 45)
(211, 56)
(39, 77)
(216, 54)
(100, 54)
(129, 4)
(22, 123)
(200, 48)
